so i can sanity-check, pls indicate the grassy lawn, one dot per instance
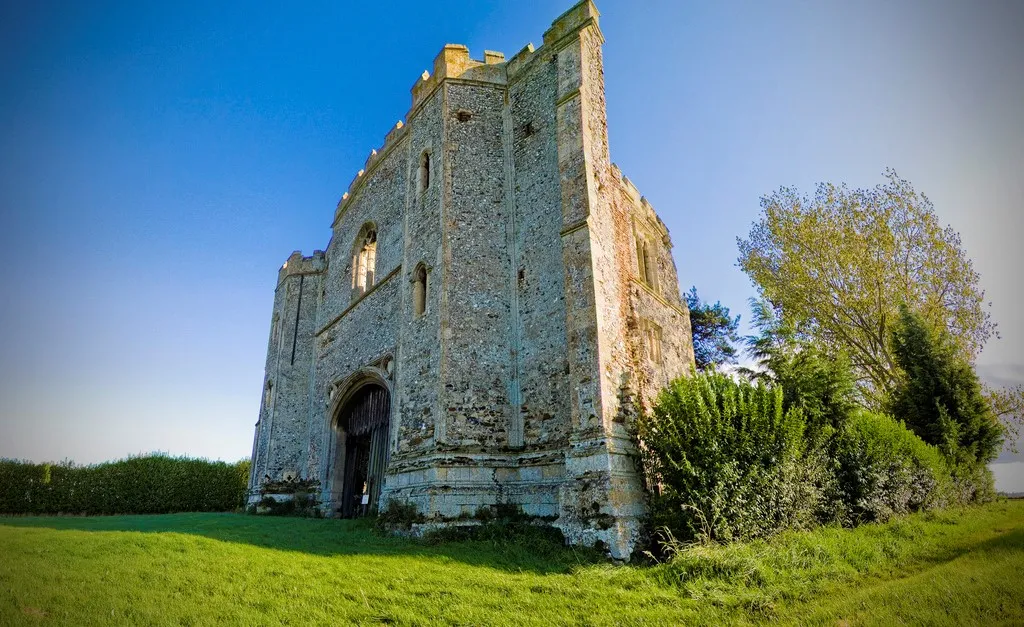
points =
(957, 567)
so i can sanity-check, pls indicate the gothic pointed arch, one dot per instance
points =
(360, 415)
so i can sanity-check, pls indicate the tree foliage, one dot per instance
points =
(1008, 406)
(822, 386)
(940, 397)
(841, 263)
(714, 332)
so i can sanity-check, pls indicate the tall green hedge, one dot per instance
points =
(152, 484)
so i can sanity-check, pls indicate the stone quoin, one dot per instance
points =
(496, 304)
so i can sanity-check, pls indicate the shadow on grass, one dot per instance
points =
(536, 553)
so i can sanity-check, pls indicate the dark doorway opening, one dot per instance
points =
(365, 419)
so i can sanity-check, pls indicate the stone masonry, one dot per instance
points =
(508, 290)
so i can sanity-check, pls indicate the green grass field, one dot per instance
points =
(957, 567)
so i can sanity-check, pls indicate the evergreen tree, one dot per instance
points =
(821, 385)
(714, 332)
(939, 396)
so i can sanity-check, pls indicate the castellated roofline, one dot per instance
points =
(453, 62)
(297, 264)
(639, 200)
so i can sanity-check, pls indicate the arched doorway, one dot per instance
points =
(364, 421)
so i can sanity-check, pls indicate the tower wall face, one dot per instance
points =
(552, 312)
(279, 450)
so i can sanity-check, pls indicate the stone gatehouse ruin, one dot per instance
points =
(495, 305)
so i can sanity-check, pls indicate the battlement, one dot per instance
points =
(454, 62)
(639, 200)
(580, 15)
(297, 264)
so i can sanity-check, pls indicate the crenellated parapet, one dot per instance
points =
(296, 264)
(644, 210)
(454, 62)
(581, 15)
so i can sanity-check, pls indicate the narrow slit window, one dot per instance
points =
(419, 291)
(646, 264)
(650, 271)
(424, 171)
(641, 258)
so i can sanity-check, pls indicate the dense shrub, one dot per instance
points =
(973, 483)
(152, 484)
(727, 461)
(883, 469)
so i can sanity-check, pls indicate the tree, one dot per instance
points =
(822, 386)
(841, 263)
(940, 397)
(714, 332)
(1008, 406)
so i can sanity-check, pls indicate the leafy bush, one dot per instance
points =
(884, 470)
(152, 484)
(728, 462)
(973, 483)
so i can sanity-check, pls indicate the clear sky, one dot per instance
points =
(158, 164)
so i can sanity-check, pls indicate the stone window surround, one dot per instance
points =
(652, 339)
(420, 290)
(364, 260)
(424, 173)
(647, 262)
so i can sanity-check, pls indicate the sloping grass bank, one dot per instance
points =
(955, 567)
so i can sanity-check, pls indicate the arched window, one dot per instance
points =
(424, 176)
(419, 290)
(364, 262)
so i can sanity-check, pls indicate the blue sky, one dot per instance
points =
(158, 164)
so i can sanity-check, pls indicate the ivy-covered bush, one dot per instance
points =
(725, 461)
(883, 469)
(152, 484)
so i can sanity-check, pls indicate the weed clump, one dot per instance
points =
(398, 515)
(301, 504)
